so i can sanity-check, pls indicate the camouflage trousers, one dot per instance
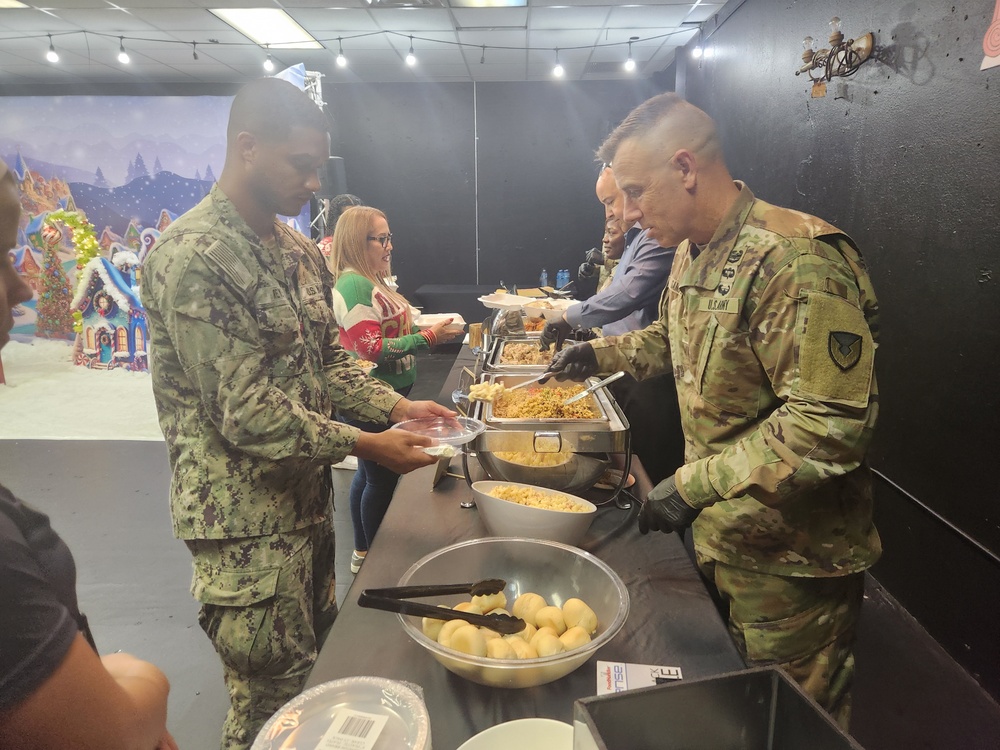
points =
(266, 605)
(806, 626)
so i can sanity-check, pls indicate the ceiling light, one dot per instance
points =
(411, 59)
(269, 63)
(12, 4)
(123, 57)
(558, 71)
(488, 3)
(709, 52)
(268, 27)
(629, 62)
(697, 52)
(341, 60)
(194, 50)
(52, 56)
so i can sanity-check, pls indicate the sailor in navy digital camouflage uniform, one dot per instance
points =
(247, 374)
(769, 324)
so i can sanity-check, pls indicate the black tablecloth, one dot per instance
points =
(672, 620)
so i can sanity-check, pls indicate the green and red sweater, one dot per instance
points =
(376, 328)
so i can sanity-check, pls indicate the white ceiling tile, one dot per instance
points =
(335, 21)
(630, 16)
(490, 18)
(568, 18)
(411, 18)
(704, 12)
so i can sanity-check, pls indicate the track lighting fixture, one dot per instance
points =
(558, 71)
(123, 57)
(341, 60)
(52, 56)
(411, 59)
(269, 63)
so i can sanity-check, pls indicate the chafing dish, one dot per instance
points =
(494, 360)
(590, 440)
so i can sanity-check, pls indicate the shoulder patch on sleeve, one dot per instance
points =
(226, 262)
(836, 351)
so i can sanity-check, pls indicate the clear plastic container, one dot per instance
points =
(384, 714)
(447, 430)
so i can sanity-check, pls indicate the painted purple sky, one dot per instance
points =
(186, 133)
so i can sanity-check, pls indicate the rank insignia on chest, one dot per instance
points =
(845, 349)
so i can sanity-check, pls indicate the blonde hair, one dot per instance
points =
(349, 251)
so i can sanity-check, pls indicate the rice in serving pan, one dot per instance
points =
(543, 403)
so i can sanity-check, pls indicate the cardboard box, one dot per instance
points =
(757, 709)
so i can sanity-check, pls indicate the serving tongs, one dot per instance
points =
(594, 387)
(395, 600)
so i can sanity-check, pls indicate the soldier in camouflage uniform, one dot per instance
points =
(247, 374)
(768, 323)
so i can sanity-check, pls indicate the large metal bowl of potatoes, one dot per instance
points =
(571, 601)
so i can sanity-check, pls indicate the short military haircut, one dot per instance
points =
(269, 108)
(690, 126)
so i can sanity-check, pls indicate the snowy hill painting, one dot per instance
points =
(128, 164)
(124, 162)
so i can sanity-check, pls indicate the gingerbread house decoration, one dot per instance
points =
(28, 264)
(108, 238)
(165, 220)
(115, 330)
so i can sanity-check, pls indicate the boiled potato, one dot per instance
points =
(432, 626)
(528, 633)
(499, 648)
(574, 638)
(488, 634)
(576, 612)
(489, 602)
(468, 640)
(551, 617)
(448, 630)
(526, 605)
(541, 633)
(522, 648)
(468, 607)
(547, 644)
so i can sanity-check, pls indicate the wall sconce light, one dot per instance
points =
(842, 59)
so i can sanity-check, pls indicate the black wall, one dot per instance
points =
(419, 150)
(903, 157)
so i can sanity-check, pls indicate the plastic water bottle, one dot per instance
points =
(543, 280)
(562, 278)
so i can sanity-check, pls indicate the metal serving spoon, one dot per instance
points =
(594, 387)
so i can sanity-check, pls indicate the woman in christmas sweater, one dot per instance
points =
(376, 326)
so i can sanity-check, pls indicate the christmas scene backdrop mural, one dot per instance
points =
(100, 179)
(111, 173)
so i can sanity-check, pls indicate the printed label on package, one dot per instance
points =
(352, 730)
(616, 676)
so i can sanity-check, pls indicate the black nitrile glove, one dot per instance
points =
(595, 257)
(586, 271)
(577, 362)
(665, 510)
(555, 332)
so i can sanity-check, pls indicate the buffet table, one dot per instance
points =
(672, 621)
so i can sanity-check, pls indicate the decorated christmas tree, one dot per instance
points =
(55, 321)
